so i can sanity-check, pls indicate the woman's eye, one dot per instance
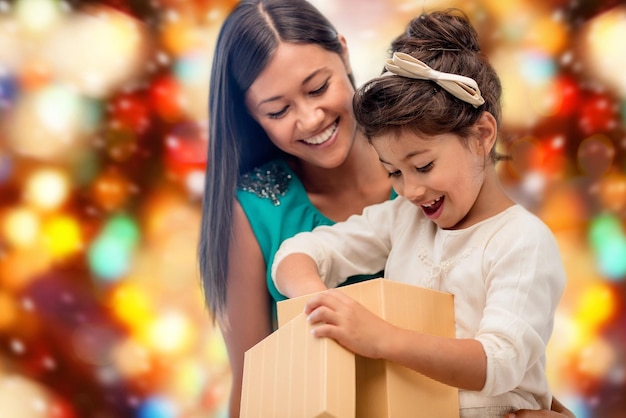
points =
(277, 115)
(321, 90)
(395, 174)
(425, 169)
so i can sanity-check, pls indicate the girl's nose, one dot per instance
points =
(412, 189)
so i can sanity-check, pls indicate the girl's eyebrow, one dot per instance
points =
(406, 157)
(306, 80)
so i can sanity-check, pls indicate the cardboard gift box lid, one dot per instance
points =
(292, 374)
(292, 358)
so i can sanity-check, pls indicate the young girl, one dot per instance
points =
(433, 119)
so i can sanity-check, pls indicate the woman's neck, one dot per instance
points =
(359, 170)
(339, 192)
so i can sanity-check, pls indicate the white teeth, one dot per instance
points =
(432, 203)
(322, 137)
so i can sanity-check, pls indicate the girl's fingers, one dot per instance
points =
(321, 314)
(324, 330)
(327, 298)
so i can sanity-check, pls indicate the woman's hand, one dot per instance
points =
(542, 413)
(558, 411)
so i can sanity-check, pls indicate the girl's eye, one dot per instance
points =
(279, 114)
(395, 173)
(425, 169)
(321, 90)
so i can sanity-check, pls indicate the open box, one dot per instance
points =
(292, 374)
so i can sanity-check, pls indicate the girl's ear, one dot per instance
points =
(345, 56)
(487, 132)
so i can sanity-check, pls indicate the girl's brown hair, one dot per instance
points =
(447, 42)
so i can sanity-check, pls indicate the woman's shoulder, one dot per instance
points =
(272, 193)
(276, 204)
(269, 182)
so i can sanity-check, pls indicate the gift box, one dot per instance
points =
(292, 374)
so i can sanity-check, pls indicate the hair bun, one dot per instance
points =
(448, 30)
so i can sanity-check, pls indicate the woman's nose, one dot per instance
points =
(310, 118)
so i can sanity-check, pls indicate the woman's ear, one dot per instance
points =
(487, 132)
(345, 56)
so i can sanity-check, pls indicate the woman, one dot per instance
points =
(284, 156)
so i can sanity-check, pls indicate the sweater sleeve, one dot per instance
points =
(525, 281)
(358, 245)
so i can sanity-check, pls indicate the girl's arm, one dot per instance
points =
(323, 258)
(297, 275)
(248, 318)
(457, 362)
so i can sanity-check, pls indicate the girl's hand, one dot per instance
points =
(335, 315)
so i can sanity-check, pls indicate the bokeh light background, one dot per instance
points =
(102, 148)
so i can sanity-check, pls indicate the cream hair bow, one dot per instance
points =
(462, 87)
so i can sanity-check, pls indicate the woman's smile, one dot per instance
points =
(323, 136)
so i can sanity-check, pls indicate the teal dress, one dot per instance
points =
(277, 208)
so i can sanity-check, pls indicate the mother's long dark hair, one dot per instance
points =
(248, 38)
